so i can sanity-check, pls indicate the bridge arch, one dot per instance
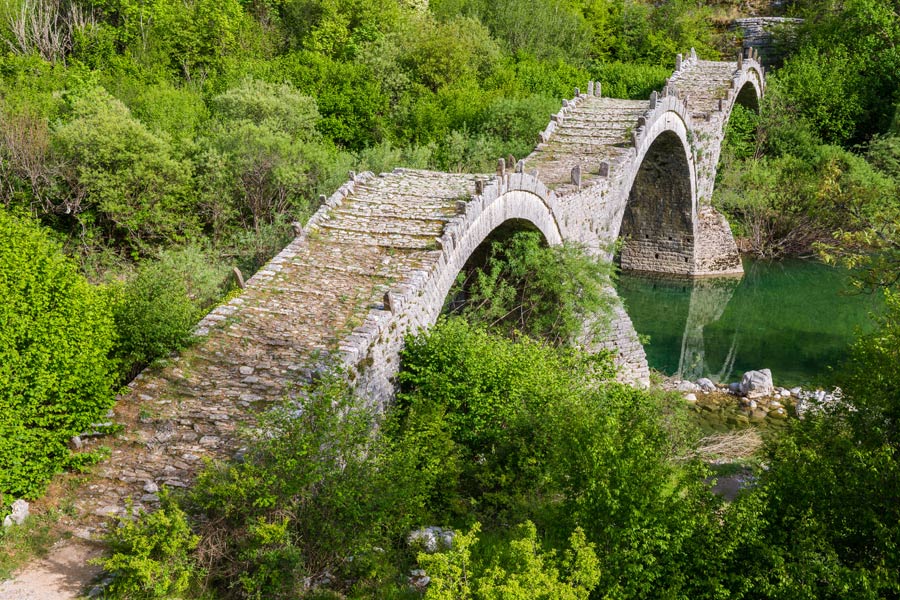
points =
(748, 97)
(660, 210)
(750, 87)
(416, 303)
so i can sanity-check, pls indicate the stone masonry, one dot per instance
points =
(377, 260)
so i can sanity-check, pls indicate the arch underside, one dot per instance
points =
(748, 97)
(658, 224)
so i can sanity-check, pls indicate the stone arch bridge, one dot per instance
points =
(379, 257)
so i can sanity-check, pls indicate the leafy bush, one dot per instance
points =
(131, 186)
(740, 134)
(820, 89)
(627, 80)
(156, 311)
(55, 375)
(150, 557)
(538, 434)
(548, 293)
(280, 107)
(523, 571)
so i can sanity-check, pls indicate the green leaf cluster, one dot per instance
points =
(56, 377)
(523, 571)
(150, 556)
(547, 293)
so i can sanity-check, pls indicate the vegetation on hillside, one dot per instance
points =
(147, 147)
(816, 171)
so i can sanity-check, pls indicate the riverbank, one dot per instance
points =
(755, 401)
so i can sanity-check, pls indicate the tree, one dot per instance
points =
(132, 187)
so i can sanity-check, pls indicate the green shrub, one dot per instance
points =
(178, 112)
(351, 101)
(629, 80)
(788, 205)
(823, 89)
(740, 134)
(499, 402)
(150, 557)
(56, 379)
(280, 107)
(828, 506)
(548, 293)
(156, 311)
(134, 190)
(520, 570)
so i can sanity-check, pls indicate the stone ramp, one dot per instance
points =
(703, 84)
(254, 349)
(587, 131)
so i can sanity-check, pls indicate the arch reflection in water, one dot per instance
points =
(794, 317)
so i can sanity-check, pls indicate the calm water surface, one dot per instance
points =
(794, 317)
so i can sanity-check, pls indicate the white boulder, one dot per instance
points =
(18, 515)
(756, 384)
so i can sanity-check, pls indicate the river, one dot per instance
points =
(795, 317)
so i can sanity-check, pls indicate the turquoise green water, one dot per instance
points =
(794, 317)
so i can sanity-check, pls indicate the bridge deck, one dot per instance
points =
(290, 315)
(596, 130)
(704, 84)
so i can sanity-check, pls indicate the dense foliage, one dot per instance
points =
(55, 372)
(524, 286)
(816, 171)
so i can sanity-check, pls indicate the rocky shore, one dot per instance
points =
(753, 401)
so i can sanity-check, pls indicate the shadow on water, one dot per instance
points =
(795, 317)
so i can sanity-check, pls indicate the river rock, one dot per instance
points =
(734, 387)
(690, 398)
(18, 515)
(796, 391)
(419, 580)
(687, 386)
(756, 384)
(778, 414)
(706, 384)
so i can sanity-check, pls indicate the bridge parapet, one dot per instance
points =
(370, 353)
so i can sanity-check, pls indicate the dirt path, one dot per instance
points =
(64, 574)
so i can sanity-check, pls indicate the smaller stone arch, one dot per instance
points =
(750, 85)
(748, 97)
(372, 358)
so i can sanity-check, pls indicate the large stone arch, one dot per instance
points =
(415, 304)
(658, 221)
